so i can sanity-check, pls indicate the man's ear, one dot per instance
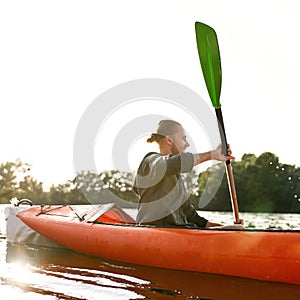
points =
(169, 141)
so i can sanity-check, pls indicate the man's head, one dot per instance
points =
(170, 137)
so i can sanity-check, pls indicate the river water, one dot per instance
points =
(28, 272)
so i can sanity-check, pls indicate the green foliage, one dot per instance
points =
(67, 193)
(263, 184)
(213, 191)
(16, 182)
(88, 187)
(98, 187)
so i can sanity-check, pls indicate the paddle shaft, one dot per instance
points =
(210, 60)
(229, 173)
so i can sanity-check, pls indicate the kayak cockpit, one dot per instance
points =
(108, 213)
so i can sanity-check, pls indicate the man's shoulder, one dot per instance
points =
(151, 155)
(150, 160)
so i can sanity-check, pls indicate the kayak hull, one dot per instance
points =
(262, 255)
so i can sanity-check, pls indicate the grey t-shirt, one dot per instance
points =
(163, 197)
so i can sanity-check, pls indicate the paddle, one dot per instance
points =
(209, 54)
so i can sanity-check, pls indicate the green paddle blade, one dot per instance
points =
(209, 54)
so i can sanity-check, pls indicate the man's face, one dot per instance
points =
(180, 142)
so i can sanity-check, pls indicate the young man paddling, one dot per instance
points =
(158, 183)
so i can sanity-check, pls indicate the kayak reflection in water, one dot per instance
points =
(164, 200)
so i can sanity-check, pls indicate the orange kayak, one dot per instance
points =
(107, 231)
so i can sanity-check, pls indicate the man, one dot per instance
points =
(158, 183)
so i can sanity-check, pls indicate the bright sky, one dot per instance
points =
(57, 57)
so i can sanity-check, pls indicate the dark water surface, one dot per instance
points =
(34, 273)
(28, 272)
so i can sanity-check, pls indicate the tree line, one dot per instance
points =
(263, 184)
